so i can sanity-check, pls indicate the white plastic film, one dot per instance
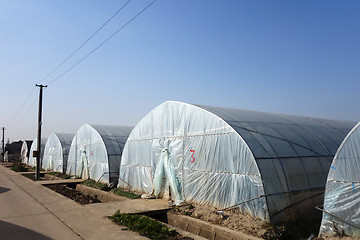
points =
(342, 194)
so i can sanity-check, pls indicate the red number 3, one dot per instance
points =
(192, 156)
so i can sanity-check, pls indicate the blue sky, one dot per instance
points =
(292, 57)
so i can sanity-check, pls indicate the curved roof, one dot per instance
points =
(342, 195)
(292, 153)
(56, 151)
(96, 150)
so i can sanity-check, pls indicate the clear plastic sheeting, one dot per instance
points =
(341, 211)
(56, 152)
(32, 160)
(165, 176)
(270, 166)
(25, 151)
(95, 152)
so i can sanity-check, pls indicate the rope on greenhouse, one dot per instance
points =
(125, 182)
(272, 194)
(327, 212)
(243, 202)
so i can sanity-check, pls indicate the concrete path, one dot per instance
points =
(29, 210)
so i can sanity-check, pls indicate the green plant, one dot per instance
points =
(124, 193)
(60, 175)
(97, 185)
(18, 167)
(144, 225)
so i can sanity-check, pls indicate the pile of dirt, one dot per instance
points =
(74, 195)
(252, 226)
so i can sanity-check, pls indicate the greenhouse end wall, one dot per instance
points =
(95, 152)
(341, 211)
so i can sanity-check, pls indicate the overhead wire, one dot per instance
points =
(61, 64)
(21, 107)
(82, 59)
(102, 43)
(87, 40)
(30, 107)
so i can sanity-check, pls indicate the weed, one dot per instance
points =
(124, 193)
(146, 226)
(60, 175)
(97, 185)
(19, 167)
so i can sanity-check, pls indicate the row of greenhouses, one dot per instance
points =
(275, 167)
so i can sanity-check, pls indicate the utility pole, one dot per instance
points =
(3, 143)
(37, 174)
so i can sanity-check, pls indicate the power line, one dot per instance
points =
(72, 54)
(24, 113)
(111, 36)
(27, 98)
(62, 63)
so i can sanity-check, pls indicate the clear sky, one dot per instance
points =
(294, 57)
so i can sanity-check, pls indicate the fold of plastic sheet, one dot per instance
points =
(25, 148)
(342, 194)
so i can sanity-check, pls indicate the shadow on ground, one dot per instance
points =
(2, 189)
(11, 231)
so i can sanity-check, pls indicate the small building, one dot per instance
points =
(13, 151)
(95, 152)
(341, 212)
(56, 152)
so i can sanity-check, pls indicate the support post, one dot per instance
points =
(3, 144)
(38, 163)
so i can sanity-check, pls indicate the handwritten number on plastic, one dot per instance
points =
(192, 156)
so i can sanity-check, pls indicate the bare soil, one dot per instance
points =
(72, 194)
(249, 225)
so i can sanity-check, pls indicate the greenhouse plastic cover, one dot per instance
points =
(56, 152)
(25, 151)
(95, 152)
(270, 166)
(342, 194)
(32, 160)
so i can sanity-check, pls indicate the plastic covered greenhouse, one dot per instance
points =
(56, 152)
(95, 152)
(270, 166)
(25, 151)
(32, 160)
(341, 212)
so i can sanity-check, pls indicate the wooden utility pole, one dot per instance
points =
(3, 144)
(38, 163)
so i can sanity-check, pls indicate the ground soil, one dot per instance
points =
(246, 224)
(72, 194)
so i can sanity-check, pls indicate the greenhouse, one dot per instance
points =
(270, 166)
(32, 159)
(25, 151)
(341, 213)
(95, 152)
(56, 152)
